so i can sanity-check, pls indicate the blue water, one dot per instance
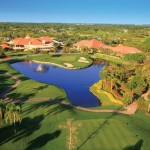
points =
(76, 83)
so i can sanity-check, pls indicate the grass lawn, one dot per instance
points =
(105, 101)
(41, 121)
(5, 67)
(64, 58)
(108, 58)
(17, 54)
(29, 89)
(5, 82)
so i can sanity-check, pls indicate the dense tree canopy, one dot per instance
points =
(129, 35)
(126, 82)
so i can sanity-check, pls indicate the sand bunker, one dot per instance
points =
(82, 59)
(68, 65)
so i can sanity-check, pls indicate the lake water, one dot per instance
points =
(76, 83)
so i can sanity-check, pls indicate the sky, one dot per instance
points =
(76, 11)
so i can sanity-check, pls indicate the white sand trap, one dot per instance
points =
(68, 65)
(82, 58)
(84, 61)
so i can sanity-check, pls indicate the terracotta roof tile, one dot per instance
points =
(97, 44)
(5, 46)
(32, 41)
(123, 49)
(89, 43)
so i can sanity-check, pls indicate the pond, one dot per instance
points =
(76, 83)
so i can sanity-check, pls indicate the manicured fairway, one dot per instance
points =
(40, 129)
(41, 120)
(64, 58)
(5, 82)
(29, 89)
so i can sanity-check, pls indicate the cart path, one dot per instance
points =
(18, 81)
(130, 109)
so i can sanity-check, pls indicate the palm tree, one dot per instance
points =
(72, 138)
(13, 114)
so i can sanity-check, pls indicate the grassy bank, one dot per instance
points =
(28, 89)
(41, 120)
(98, 91)
(33, 90)
(64, 58)
(108, 58)
(5, 82)
(105, 101)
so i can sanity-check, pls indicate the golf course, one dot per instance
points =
(42, 117)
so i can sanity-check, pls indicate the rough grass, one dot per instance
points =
(41, 121)
(104, 101)
(97, 88)
(64, 58)
(108, 58)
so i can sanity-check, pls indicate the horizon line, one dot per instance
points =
(73, 23)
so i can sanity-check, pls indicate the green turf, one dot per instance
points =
(108, 58)
(5, 82)
(40, 129)
(17, 54)
(104, 101)
(64, 58)
(40, 125)
(29, 89)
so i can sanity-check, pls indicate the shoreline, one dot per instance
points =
(61, 66)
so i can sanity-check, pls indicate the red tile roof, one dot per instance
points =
(97, 44)
(32, 41)
(89, 43)
(123, 49)
(5, 46)
(46, 38)
(35, 42)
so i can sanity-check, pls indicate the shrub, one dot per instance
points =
(2, 54)
(135, 57)
(142, 104)
(127, 98)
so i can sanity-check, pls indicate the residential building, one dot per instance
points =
(120, 49)
(42, 43)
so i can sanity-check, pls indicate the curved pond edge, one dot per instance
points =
(98, 88)
(61, 66)
(131, 109)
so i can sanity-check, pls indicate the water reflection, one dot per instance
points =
(39, 68)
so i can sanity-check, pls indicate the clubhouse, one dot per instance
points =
(42, 43)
